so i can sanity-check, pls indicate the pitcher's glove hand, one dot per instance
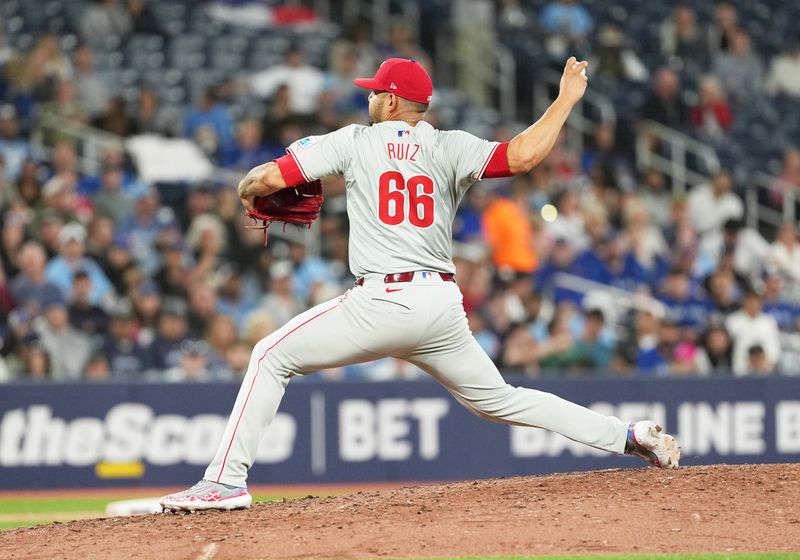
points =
(299, 205)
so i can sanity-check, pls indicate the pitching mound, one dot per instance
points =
(695, 509)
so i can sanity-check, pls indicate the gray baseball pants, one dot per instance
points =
(421, 321)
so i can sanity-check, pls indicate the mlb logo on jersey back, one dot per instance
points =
(307, 142)
(402, 133)
(425, 274)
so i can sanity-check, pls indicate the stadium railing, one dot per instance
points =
(581, 123)
(677, 147)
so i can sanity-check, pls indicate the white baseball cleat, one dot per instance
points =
(208, 495)
(646, 440)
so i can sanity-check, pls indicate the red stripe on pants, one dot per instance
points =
(252, 384)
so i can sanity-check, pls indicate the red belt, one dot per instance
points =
(408, 277)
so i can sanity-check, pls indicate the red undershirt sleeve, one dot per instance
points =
(290, 170)
(498, 164)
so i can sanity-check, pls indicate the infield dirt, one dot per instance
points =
(724, 508)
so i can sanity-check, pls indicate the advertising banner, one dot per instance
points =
(61, 436)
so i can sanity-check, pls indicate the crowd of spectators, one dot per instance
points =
(105, 276)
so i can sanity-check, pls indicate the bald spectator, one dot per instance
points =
(30, 287)
(664, 103)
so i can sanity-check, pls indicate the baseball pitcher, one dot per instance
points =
(404, 181)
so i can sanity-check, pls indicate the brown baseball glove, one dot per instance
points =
(299, 205)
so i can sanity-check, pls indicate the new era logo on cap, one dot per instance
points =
(405, 78)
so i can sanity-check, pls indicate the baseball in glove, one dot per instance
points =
(299, 205)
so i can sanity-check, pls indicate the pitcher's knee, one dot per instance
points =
(270, 360)
(493, 404)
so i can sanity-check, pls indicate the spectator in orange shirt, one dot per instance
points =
(508, 231)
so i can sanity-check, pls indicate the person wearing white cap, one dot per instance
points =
(71, 258)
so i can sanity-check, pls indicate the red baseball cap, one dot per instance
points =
(402, 77)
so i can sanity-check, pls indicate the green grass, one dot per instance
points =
(15, 506)
(16, 512)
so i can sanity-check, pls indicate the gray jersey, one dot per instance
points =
(404, 184)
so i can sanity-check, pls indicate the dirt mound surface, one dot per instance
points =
(697, 509)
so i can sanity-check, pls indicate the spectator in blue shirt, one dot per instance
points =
(686, 304)
(14, 149)
(568, 23)
(61, 269)
(249, 149)
(786, 313)
(561, 259)
(650, 358)
(144, 227)
(607, 262)
(209, 123)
